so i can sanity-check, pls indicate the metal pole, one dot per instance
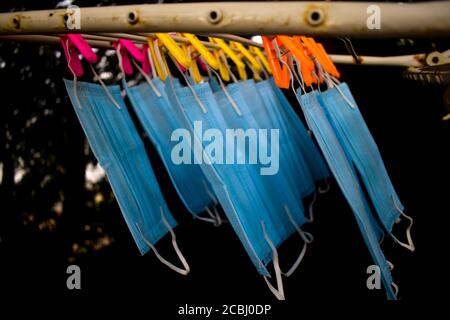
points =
(416, 60)
(331, 19)
(104, 42)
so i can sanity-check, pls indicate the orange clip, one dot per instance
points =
(280, 74)
(306, 64)
(318, 51)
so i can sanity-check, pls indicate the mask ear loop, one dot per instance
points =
(327, 187)
(159, 58)
(263, 70)
(225, 61)
(147, 78)
(152, 65)
(212, 219)
(200, 104)
(277, 291)
(225, 91)
(186, 267)
(307, 239)
(311, 208)
(97, 78)
(75, 79)
(291, 72)
(410, 245)
(395, 287)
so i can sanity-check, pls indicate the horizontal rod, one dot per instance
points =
(329, 19)
(105, 42)
(416, 60)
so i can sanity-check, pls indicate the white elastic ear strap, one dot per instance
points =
(307, 238)
(186, 267)
(159, 58)
(263, 70)
(311, 208)
(225, 91)
(410, 245)
(212, 218)
(97, 77)
(75, 87)
(149, 81)
(152, 64)
(279, 291)
(200, 104)
(327, 188)
(225, 61)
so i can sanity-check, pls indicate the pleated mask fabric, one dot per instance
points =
(159, 121)
(120, 151)
(347, 180)
(355, 137)
(304, 142)
(232, 184)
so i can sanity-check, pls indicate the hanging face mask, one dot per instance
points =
(119, 150)
(303, 140)
(160, 123)
(292, 162)
(232, 183)
(287, 212)
(354, 135)
(278, 200)
(347, 181)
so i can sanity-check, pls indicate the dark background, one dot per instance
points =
(40, 133)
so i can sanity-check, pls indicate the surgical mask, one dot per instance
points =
(232, 184)
(159, 121)
(354, 135)
(262, 106)
(347, 180)
(304, 142)
(283, 203)
(117, 146)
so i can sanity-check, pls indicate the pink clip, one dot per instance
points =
(74, 44)
(202, 64)
(146, 63)
(127, 46)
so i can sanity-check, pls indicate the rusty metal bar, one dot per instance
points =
(331, 19)
(416, 60)
(104, 42)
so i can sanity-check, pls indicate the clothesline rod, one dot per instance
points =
(104, 42)
(413, 60)
(311, 18)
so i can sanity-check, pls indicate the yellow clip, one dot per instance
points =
(262, 58)
(247, 55)
(174, 49)
(223, 70)
(233, 56)
(204, 52)
(195, 72)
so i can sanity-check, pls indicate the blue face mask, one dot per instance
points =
(120, 151)
(262, 105)
(347, 180)
(233, 184)
(159, 121)
(283, 203)
(311, 154)
(354, 135)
